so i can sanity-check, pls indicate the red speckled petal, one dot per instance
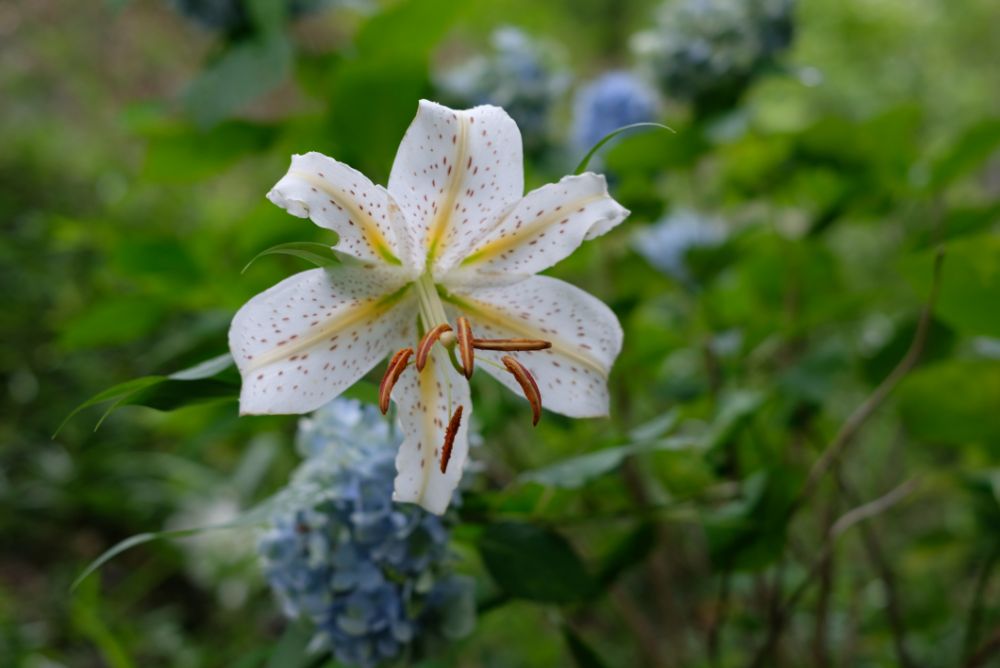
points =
(586, 338)
(545, 227)
(310, 337)
(426, 401)
(342, 199)
(455, 174)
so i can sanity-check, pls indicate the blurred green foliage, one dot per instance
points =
(137, 150)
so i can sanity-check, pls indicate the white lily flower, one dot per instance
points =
(447, 257)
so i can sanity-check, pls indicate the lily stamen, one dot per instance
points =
(392, 373)
(463, 331)
(449, 438)
(511, 345)
(427, 342)
(528, 386)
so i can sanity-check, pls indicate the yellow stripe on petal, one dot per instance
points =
(585, 335)
(342, 198)
(525, 232)
(426, 403)
(295, 344)
(313, 335)
(493, 316)
(544, 227)
(455, 175)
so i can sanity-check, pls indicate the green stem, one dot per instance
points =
(431, 309)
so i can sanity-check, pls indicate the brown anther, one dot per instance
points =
(463, 331)
(392, 373)
(426, 343)
(449, 437)
(528, 386)
(511, 345)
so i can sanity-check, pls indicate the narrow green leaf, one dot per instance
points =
(611, 135)
(574, 472)
(116, 392)
(206, 369)
(196, 384)
(124, 546)
(319, 254)
(173, 394)
(289, 497)
(251, 517)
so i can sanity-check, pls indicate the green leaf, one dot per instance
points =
(952, 402)
(582, 167)
(319, 254)
(243, 73)
(292, 649)
(196, 384)
(253, 517)
(575, 472)
(750, 533)
(406, 29)
(115, 321)
(971, 149)
(267, 15)
(182, 153)
(583, 654)
(959, 222)
(631, 550)
(970, 284)
(206, 369)
(984, 490)
(736, 410)
(657, 427)
(534, 563)
(88, 619)
(124, 546)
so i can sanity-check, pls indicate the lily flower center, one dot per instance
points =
(457, 338)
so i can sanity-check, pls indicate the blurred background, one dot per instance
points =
(802, 467)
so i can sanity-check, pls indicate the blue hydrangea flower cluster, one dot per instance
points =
(523, 75)
(667, 243)
(614, 99)
(707, 52)
(372, 575)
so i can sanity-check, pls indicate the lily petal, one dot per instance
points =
(455, 174)
(311, 336)
(585, 335)
(342, 199)
(545, 227)
(426, 401)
